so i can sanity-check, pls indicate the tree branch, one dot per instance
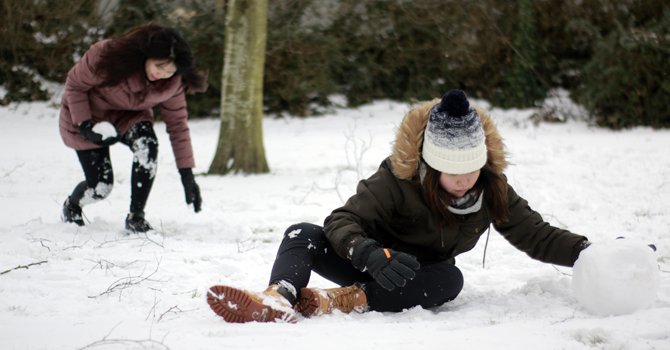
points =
(24, 267)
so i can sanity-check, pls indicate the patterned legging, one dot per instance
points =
(97, 166)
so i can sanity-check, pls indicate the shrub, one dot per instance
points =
(511, 53)
(42, 39)
(627, 81)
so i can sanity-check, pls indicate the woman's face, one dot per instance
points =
(157, 69)
(458, 185)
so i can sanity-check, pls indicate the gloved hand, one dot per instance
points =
(388, 267)
(191, 189)
(86, 130)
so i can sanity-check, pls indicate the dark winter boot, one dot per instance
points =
(72, 213)
(240, 306)
(317, 301)
(135, 223)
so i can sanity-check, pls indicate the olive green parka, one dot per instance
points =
(389, 207)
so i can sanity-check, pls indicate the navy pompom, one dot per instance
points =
(455, 103)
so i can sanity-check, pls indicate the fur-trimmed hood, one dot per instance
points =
(406, 155)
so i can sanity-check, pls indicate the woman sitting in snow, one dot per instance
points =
(392, 245)
(117, 82)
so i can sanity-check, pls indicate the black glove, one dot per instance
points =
(191, 189)
(86, 130)
(388, 267)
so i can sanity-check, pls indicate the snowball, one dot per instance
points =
(616, 277)
(106, 129)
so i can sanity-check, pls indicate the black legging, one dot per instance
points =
(97, 166)
(305, 249)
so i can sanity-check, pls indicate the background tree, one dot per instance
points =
(240, 147)
(611, 55)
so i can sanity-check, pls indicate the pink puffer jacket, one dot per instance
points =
(123, 105)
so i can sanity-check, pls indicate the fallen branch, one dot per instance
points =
(127, 282)
(13, 170)
(153, 309)
(564, 274)
(143, 237)
(569, 318)
(153, 344)
(24, 267)
(110, 265)
(175, 310)
(41, 240)
(145, 344)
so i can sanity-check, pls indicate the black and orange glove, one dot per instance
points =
(388, 267)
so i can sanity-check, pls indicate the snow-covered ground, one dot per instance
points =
(96, 287)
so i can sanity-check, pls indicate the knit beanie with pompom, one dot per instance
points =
(454, 141)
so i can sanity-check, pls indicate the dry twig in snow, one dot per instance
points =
(24, 266)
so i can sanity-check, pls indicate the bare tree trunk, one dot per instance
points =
(240, 147)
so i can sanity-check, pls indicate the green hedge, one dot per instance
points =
(627, 81)
(42, 39)
(511, 53)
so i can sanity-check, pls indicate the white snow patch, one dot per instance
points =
(106, 129)
(294, 233)
(92, 195)
(141, 156)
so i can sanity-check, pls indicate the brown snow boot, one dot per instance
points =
(240, 306)
(316, 301)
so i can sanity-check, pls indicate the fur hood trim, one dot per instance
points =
(406, 155)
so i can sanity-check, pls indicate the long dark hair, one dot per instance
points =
(493, 185)
(125, 55)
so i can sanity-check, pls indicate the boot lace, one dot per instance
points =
(343, 299)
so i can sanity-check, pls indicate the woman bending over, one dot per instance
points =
(117, 82)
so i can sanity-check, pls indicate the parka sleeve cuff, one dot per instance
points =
(351, 243)
(583, 244)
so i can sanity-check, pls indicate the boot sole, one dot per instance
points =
(309, 302)
(236, 306)
(131, 230)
